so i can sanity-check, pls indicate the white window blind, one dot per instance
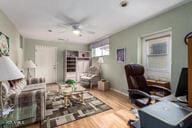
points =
(156, 56)
(100, 48)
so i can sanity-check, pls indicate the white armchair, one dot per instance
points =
(90, 77)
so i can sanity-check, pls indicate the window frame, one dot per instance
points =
(94, 55)
(164, 75)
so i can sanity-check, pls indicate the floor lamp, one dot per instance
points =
(9, 71)
(29, 65)
(100, 61)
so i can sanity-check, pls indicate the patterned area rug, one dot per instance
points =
(57, 115)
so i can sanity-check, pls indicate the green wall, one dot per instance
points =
(179, 19)
(29, 52)
(8, 28)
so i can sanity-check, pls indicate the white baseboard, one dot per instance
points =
(125, 94)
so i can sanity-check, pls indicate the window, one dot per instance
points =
(100, 51)
(156, 56)
(100, 48)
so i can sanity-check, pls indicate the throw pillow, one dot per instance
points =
(16, 86)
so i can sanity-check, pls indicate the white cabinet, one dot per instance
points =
(75, 63)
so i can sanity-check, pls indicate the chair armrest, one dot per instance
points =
(138, 92)
(168, 91)
(90, 76)
(30, 98)
(31, 87)
(94, 76)
(82, 74)
(27, 97)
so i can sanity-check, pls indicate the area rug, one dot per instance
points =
(57, 115)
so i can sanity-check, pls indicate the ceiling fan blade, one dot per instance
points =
(87, 31)
(63, 25)
(83, 20)
(64, 18)
(62, 31)
(72, 24)
(90, 32)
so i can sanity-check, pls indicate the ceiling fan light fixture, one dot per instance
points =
(77, 32)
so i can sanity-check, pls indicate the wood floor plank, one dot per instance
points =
(117, 117)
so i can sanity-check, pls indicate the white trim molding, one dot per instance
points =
(123, 93)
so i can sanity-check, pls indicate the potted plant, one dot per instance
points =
(71, 83)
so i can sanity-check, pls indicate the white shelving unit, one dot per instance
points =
(75, 63)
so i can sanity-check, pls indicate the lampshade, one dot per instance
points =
(9, 70)
(100, 60)
(29, 64)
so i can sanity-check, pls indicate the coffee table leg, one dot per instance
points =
(65, 101)
(81, 98)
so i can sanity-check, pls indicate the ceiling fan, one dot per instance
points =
(76, 27)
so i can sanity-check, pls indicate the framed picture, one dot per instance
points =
(120, 55)
(4, 44)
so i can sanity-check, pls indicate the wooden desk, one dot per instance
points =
(165, 84)
(160, 83)
(169, 98)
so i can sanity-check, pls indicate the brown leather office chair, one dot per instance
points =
(139, 91)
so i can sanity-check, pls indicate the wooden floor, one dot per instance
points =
(117, 117)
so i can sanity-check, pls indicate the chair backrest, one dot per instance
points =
(135, 76)
(93, 70)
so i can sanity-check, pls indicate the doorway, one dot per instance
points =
(46, 60)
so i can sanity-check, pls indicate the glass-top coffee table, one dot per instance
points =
(69, 90)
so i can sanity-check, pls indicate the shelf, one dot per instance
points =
(71, 68)
(84, 54)
(71, 72)
(71, 60)
(83, 58)
(71, 63)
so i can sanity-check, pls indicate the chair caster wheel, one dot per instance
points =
(130, 122)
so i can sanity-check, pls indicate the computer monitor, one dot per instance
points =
(182, 87)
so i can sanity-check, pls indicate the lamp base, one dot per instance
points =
(28, 73)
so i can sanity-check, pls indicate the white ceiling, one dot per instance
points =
(33, 18)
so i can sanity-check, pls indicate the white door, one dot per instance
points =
(46, 60)
(82, 66)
